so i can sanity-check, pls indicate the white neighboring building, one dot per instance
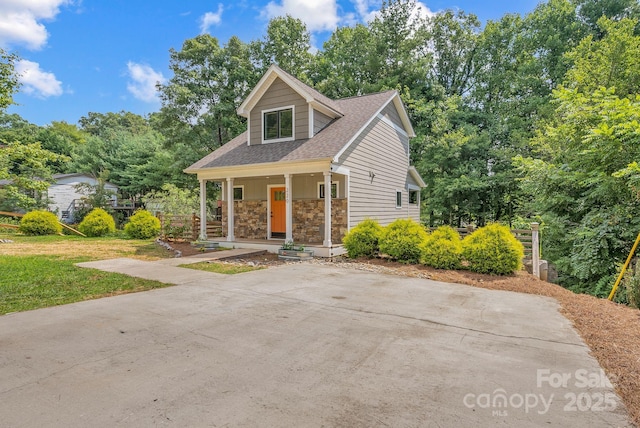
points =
(64, 196)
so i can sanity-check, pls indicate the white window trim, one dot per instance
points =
(240, 186)
(401, 197)
(321, 183)
(293, 124)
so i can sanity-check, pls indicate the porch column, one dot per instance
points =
(230, 236)
(288, 207)
(203, 210)
(327, 209)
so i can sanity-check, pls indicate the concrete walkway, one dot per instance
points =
(300, 345)
(167, 270)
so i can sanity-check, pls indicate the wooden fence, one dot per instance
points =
(186, 227)
(525, 236)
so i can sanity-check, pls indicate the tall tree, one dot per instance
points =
(609, 62)
(583, 176)
(288, 44)
(402, 52)
(9, 83)
(347, 65)
(199, 102)
(590, 12)
(454, 43)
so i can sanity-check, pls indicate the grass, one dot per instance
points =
(32, 282)
(39, 271)
(225, 268)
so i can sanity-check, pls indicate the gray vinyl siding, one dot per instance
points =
(320, 121)
(391, 113)
(379, 149)
(279, 94)
(304, 186)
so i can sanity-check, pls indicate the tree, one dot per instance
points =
(28, 169)
(579, 185)
(590, 12)
(287, 44)
(124, 149)
(454, 43)
(199, 102)
(347, 65)
(402, 55)
(9, 83)
(611, 62)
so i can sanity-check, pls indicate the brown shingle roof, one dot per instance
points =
(358, 111)
(323, 99)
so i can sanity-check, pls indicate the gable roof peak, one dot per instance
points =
(311, 95)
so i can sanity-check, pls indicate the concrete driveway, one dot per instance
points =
(300, 345)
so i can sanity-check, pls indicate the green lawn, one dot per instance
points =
(225, 268)
(37, 272)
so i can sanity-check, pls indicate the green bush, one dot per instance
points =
(493, 249)
(363, 240)
(40, 223)
(97, 223)
(402, 241)
(442, 249)
(142, 225)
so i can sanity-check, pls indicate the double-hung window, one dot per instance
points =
(278, 125)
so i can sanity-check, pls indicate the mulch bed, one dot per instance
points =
(611, 330)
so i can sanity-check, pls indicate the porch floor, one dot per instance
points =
(273, 245)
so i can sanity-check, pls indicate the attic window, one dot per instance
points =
(278, 125)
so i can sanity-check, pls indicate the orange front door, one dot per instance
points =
(278, 210)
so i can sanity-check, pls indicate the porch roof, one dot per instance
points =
(326, 144)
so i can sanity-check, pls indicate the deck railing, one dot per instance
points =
(186, 227)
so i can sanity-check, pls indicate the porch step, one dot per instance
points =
(294, 258)
(297, 255)
(208, 245)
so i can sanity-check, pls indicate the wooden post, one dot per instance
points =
(535, 248)
(194, 227)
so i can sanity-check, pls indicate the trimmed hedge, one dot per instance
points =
(363, 240)
(142, 225)
(97, 223)
(442, 249)
(402, 240)
(493, 249)
(40, 223)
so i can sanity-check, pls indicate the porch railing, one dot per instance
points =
(186, 227)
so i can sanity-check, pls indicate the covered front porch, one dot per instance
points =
(309, 208)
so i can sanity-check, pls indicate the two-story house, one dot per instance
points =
(309, 168)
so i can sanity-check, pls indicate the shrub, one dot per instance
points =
(97, 223)
(442, 249)
(493, 249)
(142, 225)
(40, 223)
(402, 240)
(363, 240)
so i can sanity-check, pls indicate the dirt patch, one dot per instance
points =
(611, 330)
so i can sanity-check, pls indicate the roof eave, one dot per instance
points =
(416, 176)
(281, 165)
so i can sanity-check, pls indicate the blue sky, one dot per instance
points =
(80, 56)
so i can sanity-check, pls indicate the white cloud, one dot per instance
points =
(318, 15)
(143, 81)
(19, 21)
(368, 12)
(211, 18)
(37, 82)
(422, 11)
(363, 8)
